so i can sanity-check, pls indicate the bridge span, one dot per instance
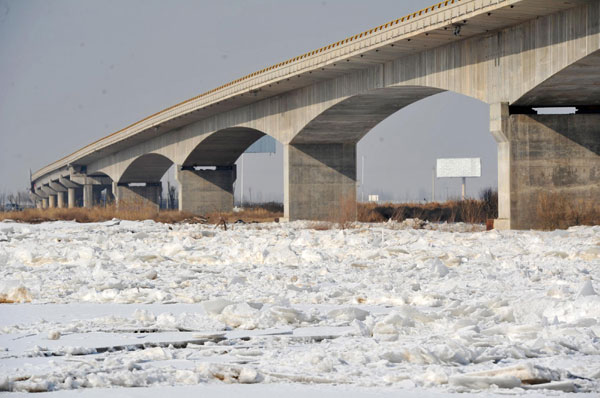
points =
(515, 55)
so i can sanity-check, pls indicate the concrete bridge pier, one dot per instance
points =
(74, 192)
(88, 196)
(319, 181)
(60, 200)
(51, 201)
(60, 193)
(71, 198)
(548, 166)
(92, 194)
(138, 195)
(206, 191)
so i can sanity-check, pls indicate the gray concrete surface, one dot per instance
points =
(553, 158)
(206, 191)
(320, 182)
(139, 196)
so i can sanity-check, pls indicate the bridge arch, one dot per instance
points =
(208, 173)
(146, 168)
(223, 147)
(322, 156)
(352, 118)
(140, 182)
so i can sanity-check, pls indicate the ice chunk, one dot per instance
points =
(438, 268)
(388, 329)
(152, 274)
(14, 292)
(348, 314)
(484, 382)
(587, 289)
(215, 306)
(284, 315)
(241, 316)
(565, 386)
(525, 373)
(248, 375)
(151, 354)
(53, 335)
(144, 315)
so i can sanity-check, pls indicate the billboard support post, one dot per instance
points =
(459, 168)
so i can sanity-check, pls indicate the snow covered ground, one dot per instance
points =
(375, 310)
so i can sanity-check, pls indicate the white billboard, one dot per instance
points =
(458, 167)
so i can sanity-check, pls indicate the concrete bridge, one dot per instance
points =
(515, 55)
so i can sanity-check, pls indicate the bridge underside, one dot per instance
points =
(577, 84)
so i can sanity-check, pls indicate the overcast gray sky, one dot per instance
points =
(73, 71)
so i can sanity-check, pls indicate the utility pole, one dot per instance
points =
(242, 183)
(433, 184)
(362, 181)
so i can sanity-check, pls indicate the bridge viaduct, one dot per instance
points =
(515, 55)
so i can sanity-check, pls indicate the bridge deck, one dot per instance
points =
(428, 28)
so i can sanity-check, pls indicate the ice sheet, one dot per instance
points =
(446, 309)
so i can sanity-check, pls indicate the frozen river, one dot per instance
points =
(374, 310)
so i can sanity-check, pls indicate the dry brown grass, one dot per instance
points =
(470, 211)
(556, 211)
(344, 214)
(136, 211)
(96, 214)
(248, 215)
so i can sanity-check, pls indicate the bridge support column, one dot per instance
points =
(51, 201)
(60, 199)
(88, 196)
(548, 168)
(71, 201)
(205, 191)
(44, 203)
(319, 181)
(39, 204)
(136, 196)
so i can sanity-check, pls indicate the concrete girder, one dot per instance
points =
(57, 187)
(41, 193)
(48, 190)
(66, 182)
(83, 179)
(33, 196)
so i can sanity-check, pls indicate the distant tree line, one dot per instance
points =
(15, 201)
